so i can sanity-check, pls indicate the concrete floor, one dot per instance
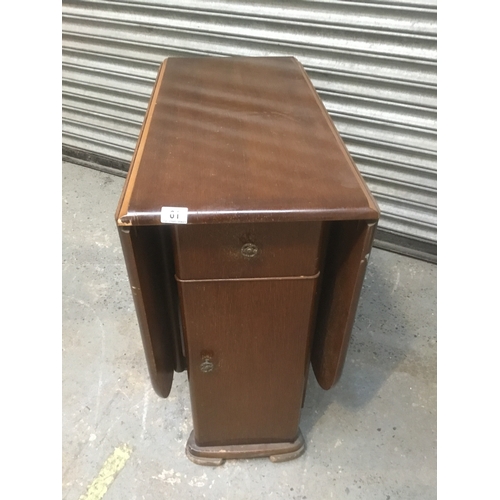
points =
(373, 436)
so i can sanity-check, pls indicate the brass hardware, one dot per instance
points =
(249, 250)
(206, 365)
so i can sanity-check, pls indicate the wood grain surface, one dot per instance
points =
(257, 334)
(242, 139)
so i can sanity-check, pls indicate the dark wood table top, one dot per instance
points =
(244, 139)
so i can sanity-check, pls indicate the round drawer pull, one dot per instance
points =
(249, 250)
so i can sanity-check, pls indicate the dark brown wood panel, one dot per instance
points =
(256, 333)
(149, 261)
(211, 251)
(346, 258)
(242, 139)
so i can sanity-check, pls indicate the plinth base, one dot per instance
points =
(217, 455)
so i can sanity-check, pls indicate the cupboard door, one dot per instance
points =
(247, 345)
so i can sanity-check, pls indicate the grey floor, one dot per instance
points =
(373, 436)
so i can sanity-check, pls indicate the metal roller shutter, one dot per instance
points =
(373, 64)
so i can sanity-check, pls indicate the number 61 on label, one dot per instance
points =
(174, 215)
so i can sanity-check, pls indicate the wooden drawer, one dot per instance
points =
(228, 251)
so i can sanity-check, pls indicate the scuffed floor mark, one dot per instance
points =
(98, 397)
(198, 481)
(110, 469)
(395, 287)
(145, 412)
(167, 476)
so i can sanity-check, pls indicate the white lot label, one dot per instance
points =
(174, 215)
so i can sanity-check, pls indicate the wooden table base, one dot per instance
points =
(217, 455)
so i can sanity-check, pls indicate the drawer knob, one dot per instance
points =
(249, 250)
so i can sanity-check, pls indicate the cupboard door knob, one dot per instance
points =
(207, 365)
(249, 250)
